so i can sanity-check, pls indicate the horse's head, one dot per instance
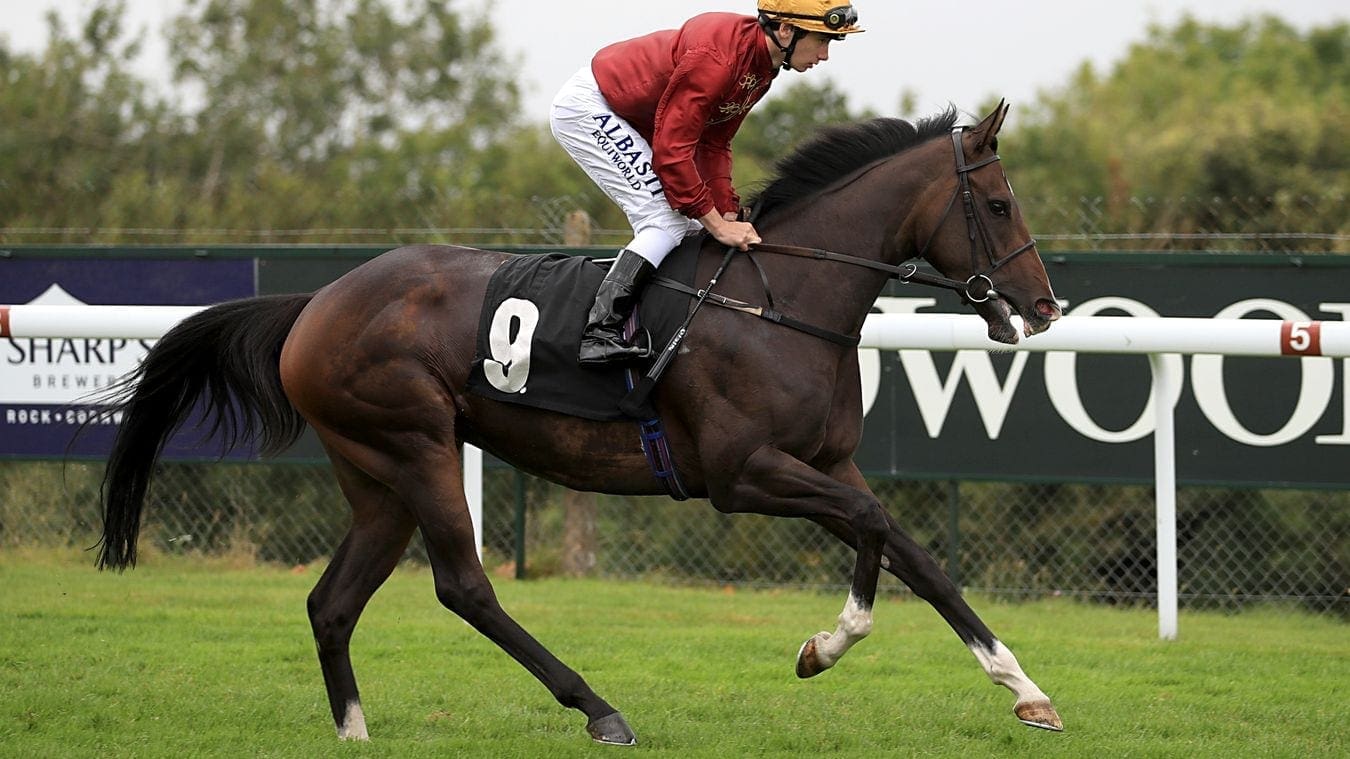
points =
(975, 233)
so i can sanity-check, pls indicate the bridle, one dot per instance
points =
(973, 224)
(975, 231)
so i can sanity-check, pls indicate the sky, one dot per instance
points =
(962, 53)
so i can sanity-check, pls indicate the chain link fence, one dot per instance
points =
(1095, 542)
(1261, 224)
(1015, 540)
(1284, 224)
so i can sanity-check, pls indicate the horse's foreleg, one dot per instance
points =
(774, 483)
(380, 532)
(463, 587)
(915, 567)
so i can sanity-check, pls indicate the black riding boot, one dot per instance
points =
(602, 342)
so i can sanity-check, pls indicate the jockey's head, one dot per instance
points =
(808, 24)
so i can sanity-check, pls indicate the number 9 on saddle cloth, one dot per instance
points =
(532, 319)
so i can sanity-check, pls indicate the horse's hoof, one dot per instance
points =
(611, 730)
(809, 663)
(1039, 714)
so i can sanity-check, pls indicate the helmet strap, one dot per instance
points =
(788, 49)
(797, 35)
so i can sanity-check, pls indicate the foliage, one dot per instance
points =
(1257, 111)
(793, 112)
(73, 121)
(312, 115)
(302, 83)
(294, 118)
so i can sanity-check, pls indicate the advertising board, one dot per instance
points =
(1081, 417)
(46, 384)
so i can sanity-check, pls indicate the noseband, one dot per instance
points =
(975, 230)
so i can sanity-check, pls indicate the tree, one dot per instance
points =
(346, 96)
(337, 114)
(782, 121)
(1241, 128)
(72, 121)
(318, 77)
(305, 115)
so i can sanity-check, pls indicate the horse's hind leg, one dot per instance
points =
(916, 568)
(379, 534)
(435, 490)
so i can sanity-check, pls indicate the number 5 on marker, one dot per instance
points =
(1301, 338)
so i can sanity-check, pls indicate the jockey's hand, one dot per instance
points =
(736, 234)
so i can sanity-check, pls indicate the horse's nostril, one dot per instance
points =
(1048, 308)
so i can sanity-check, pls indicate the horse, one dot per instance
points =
(760, 418)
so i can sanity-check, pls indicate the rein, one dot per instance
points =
(909, 273)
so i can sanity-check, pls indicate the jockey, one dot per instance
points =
(650, 120)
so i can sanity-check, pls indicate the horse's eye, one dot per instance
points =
(999, 207)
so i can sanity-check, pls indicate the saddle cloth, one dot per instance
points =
(531, 324)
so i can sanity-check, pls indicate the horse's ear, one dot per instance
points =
(987, 130)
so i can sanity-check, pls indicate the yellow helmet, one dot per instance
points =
(824, 16)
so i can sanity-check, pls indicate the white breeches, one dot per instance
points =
(619, 160)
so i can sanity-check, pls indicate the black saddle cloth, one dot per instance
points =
(531, 325)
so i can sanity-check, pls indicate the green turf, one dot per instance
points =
(182, 660)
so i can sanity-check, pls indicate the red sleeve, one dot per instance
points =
(698, 84)
(713, 159)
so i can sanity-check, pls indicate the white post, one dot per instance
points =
(473, 492)
(1165, 475)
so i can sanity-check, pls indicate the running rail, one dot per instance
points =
(1156, 337)
(93, 322)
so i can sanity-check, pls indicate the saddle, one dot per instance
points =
(531, 324)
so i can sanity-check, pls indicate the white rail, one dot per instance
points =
(93, 322)
(1155, 337)
(1116, 334)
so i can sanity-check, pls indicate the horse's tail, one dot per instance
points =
(227, 357)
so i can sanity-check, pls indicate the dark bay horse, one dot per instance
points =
(761, 419)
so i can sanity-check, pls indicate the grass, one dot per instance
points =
(181, 659)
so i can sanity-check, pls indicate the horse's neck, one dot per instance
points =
(865, 218)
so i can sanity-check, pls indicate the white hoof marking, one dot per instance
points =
(855, 622)
(1002, 667)
(353, 727)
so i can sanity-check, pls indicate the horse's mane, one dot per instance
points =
(837, 151)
